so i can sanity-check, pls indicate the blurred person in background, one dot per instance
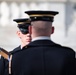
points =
(25, 38)
(22, 32)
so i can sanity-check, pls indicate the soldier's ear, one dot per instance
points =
(52, 30)
(30, 29)
(18, 34)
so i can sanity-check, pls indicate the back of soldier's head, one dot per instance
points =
(41, 21)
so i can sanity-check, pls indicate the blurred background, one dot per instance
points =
(64, 23)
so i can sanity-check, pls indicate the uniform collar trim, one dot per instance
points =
(41, 38)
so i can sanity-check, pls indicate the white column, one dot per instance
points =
(15, 12)
(34, 6)
(23, 7)
(4, 10)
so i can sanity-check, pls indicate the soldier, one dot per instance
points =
(22, 32)
(25, 38)
(42, 56)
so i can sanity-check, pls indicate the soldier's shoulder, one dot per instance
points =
(65, 48)
(15, 50)
(68, 48)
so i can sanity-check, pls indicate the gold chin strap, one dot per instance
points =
(37, 15)
(23, 22)
(10, 60)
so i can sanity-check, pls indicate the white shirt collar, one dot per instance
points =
(41, 38)
(21, 46)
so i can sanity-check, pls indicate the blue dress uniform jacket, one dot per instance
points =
(44, 57)
(16, 50)
(2, 64)
(7, 65)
